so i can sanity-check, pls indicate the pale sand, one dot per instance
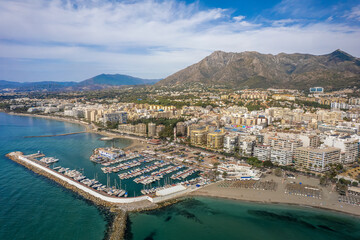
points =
(328, 201)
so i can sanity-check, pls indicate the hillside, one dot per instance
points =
(255, 70)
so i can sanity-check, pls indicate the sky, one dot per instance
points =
(72, 40)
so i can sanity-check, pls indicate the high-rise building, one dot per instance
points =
(181, 128)
(215, 140)
(198, 137)
(316, 159)
(159, 128)
(262, 152)
(349, 147)
(151, 129)
(140, 129)
(281, 156)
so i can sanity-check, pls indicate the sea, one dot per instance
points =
(34, 207)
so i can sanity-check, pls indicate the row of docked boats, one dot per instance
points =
(139, 171)
(157, 175)
(93, 183)
(49, 160)
(127, 165)
(105, 161)
(183, 174)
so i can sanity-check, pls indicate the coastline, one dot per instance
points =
(244, 195)
(329, 201)
(135, 141)
(277, 203)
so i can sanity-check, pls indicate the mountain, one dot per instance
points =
(116, 80)
(35, 86)
(97, 82)
(255, 70)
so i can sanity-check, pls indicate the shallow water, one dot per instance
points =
(33, 207)
(212, 218)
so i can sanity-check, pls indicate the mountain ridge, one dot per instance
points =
(256, 70)
(96, 82)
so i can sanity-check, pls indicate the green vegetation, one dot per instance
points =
(4, 106)
(112, 125)
(312, 104)
(254, 162)
(205, 104)
(254, 107)
(278, 172)
(268, 164)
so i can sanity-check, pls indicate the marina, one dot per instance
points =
(113, 193)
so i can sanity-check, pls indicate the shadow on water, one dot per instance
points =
(128, 233)
(150, 236)
(182, 209)
(288, 217)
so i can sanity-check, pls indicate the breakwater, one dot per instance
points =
(119, 206)
(85, 191)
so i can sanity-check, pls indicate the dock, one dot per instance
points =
(30, 162)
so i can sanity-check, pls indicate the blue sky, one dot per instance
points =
(61, 40)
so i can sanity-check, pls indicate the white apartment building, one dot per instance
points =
(262, 152)
(281, 156)
(349, 147)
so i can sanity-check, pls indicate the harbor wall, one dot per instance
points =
(73, 185)
(118, 227)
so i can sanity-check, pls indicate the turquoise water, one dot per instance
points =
(33, 207)
(213, 219)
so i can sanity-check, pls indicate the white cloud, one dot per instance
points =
(151, 38)
(355, 13)
(239, 18)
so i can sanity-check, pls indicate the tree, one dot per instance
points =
(268, 164)
(111, 125)
(354, 184)
(323, 181)
(254, 162)
(216, 165)
(278, 172)
(224, 175)
(344, 182)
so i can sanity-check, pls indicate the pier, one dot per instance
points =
(99, 198)
(118, 205)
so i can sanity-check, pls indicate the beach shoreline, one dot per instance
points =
(328, 201)
(276, 203)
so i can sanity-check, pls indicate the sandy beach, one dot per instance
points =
(329, 200)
